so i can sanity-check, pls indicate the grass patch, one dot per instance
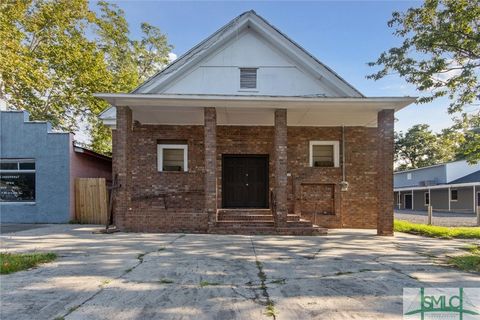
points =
(13, 262)
(436, 231)
(204, 283)
(278, 281)
(270, 310)
(468, 262)
(165, 281)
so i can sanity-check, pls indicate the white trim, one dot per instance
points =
(30, 203)
(453, 200)
(474, 199)
(413, 200)
(336, 151)
(425, 198)
(440, 186)
(160, 148)
(226, 101)
(449, 200)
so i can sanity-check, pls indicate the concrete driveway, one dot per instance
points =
(346, 275)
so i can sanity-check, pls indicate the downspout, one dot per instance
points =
(344, 183)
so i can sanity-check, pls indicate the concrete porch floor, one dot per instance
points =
(348, 274)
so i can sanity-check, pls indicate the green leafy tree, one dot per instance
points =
(440, 55)
(420, 147)
(56, 54)
(440, 52)
(466, 134)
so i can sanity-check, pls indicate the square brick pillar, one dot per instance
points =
(385, 124)
(121, 165)
(280, 161)
(210, 141)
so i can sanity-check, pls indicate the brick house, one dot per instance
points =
(249, 133)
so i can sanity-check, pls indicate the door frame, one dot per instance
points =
(267, 177)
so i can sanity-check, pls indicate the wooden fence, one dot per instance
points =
(91, 200)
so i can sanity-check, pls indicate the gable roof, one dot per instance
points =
(249, 19)
(472, 177)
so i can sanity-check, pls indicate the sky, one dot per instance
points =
(344, 35)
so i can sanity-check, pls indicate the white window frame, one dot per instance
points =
(451, 198)
(160, 148)
(409, 176)
(425, 198)
(336, 151)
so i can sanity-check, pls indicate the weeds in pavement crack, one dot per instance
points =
(204, 283)
(269, 304)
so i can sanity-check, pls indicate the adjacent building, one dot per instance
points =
(249, 133)
(453, 186)
(38, 167)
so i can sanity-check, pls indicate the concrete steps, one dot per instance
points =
(261, 221)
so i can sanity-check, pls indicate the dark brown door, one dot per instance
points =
(245, 181)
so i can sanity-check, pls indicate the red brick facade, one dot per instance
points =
(154, 201)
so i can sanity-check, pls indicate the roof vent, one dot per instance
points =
(248, 78)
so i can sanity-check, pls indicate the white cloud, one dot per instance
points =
(172, 56)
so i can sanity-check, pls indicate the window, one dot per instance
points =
(427, 198)
(172, 157)
(324, 154)
(409, 176)
(17, 180)
(248, 78)
(453, 195)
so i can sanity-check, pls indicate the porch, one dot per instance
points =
(298, 198)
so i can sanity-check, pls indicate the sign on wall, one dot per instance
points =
(17, 181)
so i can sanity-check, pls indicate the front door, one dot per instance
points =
(245, 181)
(408, 201)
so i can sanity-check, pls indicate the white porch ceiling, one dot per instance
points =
(252, 110)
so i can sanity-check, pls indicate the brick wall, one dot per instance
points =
(356, 208)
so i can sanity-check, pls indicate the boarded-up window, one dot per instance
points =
(172, 157)
(248, 78)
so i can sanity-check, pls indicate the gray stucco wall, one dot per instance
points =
(438, 174)
(22, 139)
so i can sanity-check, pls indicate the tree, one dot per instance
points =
(440, 52)
(420, 147)
(440, 55)
(56, 54)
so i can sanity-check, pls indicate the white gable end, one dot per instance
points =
(277, 75)
(283, 67)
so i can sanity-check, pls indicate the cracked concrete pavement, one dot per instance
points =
(349, 274)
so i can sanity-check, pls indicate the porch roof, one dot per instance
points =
(251, 109)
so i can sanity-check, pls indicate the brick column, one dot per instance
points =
(121, 164)
(385, 123)
(210, 141)
(280, 160)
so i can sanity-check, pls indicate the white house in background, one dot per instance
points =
(452, 186)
